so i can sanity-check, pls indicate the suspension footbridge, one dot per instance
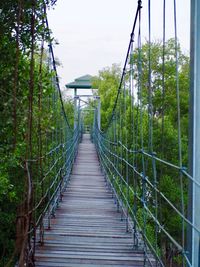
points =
(125, 194)
(87, 229)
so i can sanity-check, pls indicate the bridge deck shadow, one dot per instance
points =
(87, 230)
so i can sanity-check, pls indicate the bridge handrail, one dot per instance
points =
(108, 157)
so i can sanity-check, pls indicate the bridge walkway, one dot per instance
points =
(87, 230)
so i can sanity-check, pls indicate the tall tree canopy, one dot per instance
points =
(29, 114)
(152, 109)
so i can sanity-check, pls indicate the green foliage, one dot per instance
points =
(141, 129)
(16, 37)
(107, 83)
(69, 109)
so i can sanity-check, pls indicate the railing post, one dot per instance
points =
(75, 108)
(42, 232)
(194, 204)
(99, 112)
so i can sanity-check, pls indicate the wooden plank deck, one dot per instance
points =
(87, 230)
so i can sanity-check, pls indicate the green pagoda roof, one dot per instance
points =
(84, 82)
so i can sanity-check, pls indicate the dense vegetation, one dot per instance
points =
(32, 123)
(139, 125)
(31, 114)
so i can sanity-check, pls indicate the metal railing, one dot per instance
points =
(113, 165)
(47, 192)
(143, 150)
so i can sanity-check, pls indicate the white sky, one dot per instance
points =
(95, 34)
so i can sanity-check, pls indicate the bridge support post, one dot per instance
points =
(194, 197)
(75, 108)
(79, 114)
(99, 112)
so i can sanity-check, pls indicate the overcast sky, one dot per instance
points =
(94, 34)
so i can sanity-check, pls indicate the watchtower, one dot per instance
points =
(83, 82)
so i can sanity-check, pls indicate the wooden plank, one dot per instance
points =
(87, 230)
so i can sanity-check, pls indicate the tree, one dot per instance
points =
(139, 125)
(107, 83)
(23, 67)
